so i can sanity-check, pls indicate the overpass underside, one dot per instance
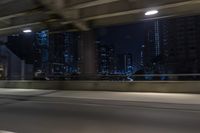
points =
(83, 15)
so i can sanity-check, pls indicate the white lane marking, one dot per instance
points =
(2, 131)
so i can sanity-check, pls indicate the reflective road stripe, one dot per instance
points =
(2, 131)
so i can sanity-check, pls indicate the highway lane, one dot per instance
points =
(55, 117)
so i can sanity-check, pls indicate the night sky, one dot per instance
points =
(125, 38)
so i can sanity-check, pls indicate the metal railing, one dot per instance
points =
(134, 77)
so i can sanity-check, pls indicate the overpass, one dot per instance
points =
(83, 15)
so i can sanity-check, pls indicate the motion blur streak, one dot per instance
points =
(43, 117)
(1, 131)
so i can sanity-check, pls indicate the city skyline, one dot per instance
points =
(125, 38)
(150, 44)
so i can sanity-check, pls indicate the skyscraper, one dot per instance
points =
(41, 52)
(172, 45)
(128, 63)
(153, 46)
(106, 57)
(71, 52)
(181, 39)
(55, 53)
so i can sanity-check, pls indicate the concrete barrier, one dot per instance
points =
(147, 86)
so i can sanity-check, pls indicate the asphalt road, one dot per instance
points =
(53, 117)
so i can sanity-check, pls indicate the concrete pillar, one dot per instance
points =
(23, 69)
(87, 55)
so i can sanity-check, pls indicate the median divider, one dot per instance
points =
(135, 86)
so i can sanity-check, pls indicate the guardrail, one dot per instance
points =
(128, 77)
(115, 77)
(136, 86)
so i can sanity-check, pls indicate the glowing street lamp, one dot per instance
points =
(27, 31)
(151, 12)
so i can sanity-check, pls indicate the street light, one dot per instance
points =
(151, 12)
(27, 31)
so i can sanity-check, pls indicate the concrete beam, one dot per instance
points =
(14, 13)
(90, 3)
(23, 13)
(131, 18)
(113, 10)
(76, 4)
(35, 26)
(20, 26)
(15, 7)
(5, 1)
(122, 10)
(95, 12)
(29, 18)
(18, 23)
(59, 7)
(81, 25)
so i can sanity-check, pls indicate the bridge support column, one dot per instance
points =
(87, 55)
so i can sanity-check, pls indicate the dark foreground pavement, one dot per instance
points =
(41, 116)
